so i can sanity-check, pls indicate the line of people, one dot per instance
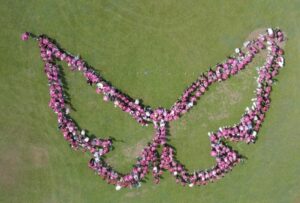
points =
(246, 130)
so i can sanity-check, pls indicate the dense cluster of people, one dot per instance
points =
(150, 159)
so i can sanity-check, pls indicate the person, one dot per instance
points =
(118, 187)
(67, 110)
(270, 32)
(25, 36)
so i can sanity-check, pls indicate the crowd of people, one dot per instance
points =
(150, 159)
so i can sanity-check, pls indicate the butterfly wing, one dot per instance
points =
(246, 130)
(51, 53)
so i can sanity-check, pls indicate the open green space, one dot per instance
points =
(151, 50)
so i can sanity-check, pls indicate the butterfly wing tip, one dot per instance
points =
(26, 35)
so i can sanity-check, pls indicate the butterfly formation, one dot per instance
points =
(150, 160)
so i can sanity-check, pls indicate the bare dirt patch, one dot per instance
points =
(230, 97)
(234, 96)
(253, 35)
(9, 164)
(134, 151)
(136, 193)
(39, 156)
(129, 153)
(218, 116)
(13, 160)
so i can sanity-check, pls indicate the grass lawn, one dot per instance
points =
(151, 50)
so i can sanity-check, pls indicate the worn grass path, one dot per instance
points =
(150, 50)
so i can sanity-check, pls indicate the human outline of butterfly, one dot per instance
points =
(226, 157)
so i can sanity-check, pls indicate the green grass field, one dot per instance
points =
(151, 50)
